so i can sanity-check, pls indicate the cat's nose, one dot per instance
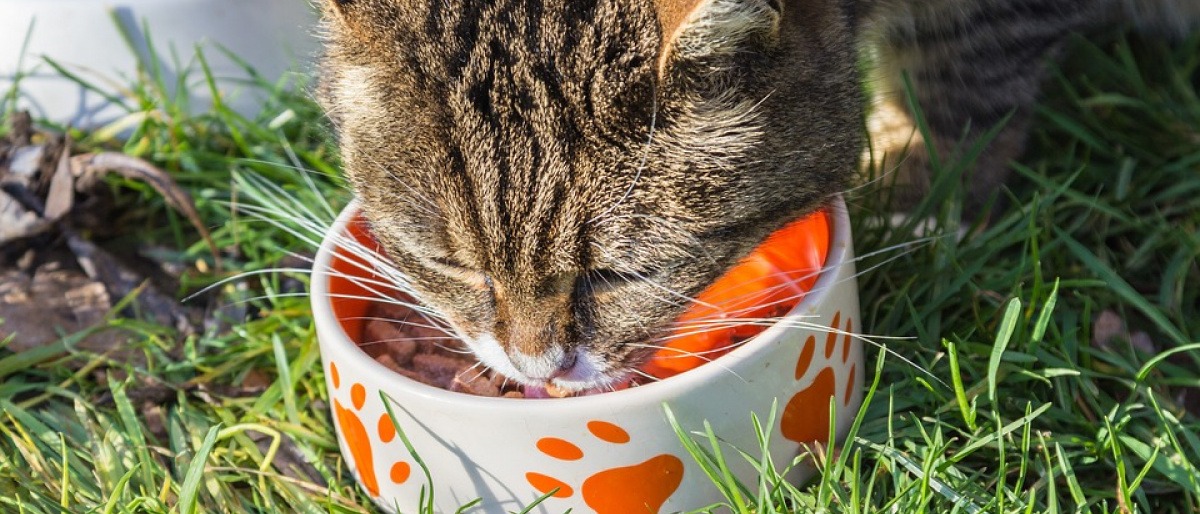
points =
(551, 363)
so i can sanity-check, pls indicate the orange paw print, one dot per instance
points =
(359, 440)
(805, 419)
(638, 488)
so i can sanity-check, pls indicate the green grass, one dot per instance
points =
(1009, 408)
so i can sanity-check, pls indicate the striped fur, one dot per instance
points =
(973, 65)
(559, 176)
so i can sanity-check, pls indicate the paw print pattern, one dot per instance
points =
(805, 419)
(641, 487)
(354, 432)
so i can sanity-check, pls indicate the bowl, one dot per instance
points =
(615, 452)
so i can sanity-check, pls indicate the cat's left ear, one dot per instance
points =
(715, 29)
(354, 17)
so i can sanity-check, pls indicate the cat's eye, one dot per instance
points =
(475, 278)
(608, 279)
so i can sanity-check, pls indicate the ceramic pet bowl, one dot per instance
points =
(614, 452)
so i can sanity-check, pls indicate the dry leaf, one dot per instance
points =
(89, 167)
(61, 196)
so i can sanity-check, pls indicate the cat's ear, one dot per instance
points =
(715, 29)
(338, 8)
(345, 13)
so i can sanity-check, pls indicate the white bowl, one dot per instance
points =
(609, 453)
(273, 36)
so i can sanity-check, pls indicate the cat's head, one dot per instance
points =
(558, 177)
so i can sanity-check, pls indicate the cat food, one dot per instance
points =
(738, 306)
(400, 339)
(404, 342)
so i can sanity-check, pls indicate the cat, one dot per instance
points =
(558, 177)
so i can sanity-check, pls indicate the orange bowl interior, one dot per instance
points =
(742, 303)
(766, 284)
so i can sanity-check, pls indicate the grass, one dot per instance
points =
(1009, 408)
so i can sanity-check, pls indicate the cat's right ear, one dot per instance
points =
(714, 30)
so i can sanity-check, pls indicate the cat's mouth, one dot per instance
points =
(587, 373)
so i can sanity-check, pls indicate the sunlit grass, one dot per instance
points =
(1026, 413)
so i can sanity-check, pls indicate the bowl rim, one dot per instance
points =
(349, 354)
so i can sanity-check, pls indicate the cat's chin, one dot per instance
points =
(491, 354)
(587, 376)
(563, 386)
(598, 384)
(556, 391)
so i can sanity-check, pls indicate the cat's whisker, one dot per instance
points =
(362, 281)
(681, 353)
(871, 339)
(311, 235)
(273, 196)
(429, 206)
(307, 174)
(459, 351)
(376, 299)
(240, 276)
(640, 373)
(385, 291)
(460, 374)
(686, 300)
(393, 321)
(312, 186)
(641, 165)
(374, 265)
(400, 339)
(429, 323)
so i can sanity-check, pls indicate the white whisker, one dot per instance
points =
(641, 165)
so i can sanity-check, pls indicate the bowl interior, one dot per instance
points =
(748, 298)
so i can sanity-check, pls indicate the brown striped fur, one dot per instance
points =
(973, 65)
(558, 176)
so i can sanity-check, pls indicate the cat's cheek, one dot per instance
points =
(589, 370)
(488, 350)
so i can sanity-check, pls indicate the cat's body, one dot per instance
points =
(973, 66)
(558, 177)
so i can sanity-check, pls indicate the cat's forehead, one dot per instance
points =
(539, 100)
(571, 36)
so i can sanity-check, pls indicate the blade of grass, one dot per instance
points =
(188, 493)
(1003, 335)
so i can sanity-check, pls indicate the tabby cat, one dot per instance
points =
(558, 177)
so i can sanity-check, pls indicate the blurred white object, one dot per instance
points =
(274, 37)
